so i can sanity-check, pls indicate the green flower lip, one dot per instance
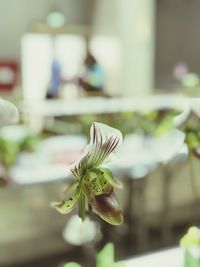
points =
(107, 207)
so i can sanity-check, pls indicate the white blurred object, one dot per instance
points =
(139, 154)
(70, 51)
(167, 146)
(50, 162)
(7, 75)
(192, 106)
(8, 113)
(55, 19)
(70, 92)
(179, 119)
(63, 150)
(166, 258)
(36, 62)
(113, 18)
(138, 45)
(180, 70)
(135, 151)
(195, 105)
(107, 51)
(190, 80)
(98, 105)
(195, 252)
(15, 132)
(36, 173)
(38, 51)
(77, 232)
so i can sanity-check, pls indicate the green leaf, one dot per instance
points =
(72, 264)
(165, 125)
(192, 139)
(105, 257)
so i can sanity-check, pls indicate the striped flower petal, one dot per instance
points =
(103, 141)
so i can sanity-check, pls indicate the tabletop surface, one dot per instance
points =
(166, 258)
(98, 105)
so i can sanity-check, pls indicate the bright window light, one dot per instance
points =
(38, 52)
(107, 51)
(36, 60)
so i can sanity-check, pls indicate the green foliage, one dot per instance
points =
(9, 149)
(85, 121)
(72, 264)
(191, 238)
(8, 152)
(152, 123)
(29, 143)
(105, 258)
(192, 139)
(190, 242)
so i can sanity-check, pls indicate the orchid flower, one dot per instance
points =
(92, 183)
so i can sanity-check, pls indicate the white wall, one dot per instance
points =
(132, 22)
(16, 16)
(117, 18)
(106, 17)
(137, 33)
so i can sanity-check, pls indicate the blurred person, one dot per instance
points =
(92, 78)
(55, 81)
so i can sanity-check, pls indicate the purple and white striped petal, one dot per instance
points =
(103, 141)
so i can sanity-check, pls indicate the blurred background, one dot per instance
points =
(131, 64)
